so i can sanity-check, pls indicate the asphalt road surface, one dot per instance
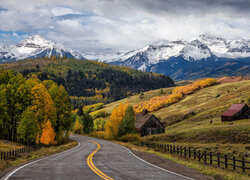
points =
(92, 159)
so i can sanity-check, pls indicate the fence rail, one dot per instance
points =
(13, 154)
(210, 158)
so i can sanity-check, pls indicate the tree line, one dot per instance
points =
(33, 111)
(91, 81)
(158, 102)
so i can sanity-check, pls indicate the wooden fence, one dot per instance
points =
(13, 154)
(213, 159)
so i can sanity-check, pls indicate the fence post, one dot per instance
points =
(218, 159)
(185, 151)
(194, 153)
(174, 148)
(243, 164)
(168, 147)
(234, 163)
(177, 149)
(171, 148)
(181, 150)
(199, 155)
(211, 158)
(225, 161)
(165, 147)
(189, 152)
(205, 157)
(4, 155)
(1, 155)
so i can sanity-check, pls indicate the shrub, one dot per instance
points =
(98, 114)
(218, 95)
(98, 134)
(93, 107)
(130, 138)
(99, 124)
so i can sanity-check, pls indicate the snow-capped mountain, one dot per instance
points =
(226, 48)
(34, 47)
(203, 51)
(195, 50)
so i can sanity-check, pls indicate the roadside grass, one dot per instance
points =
(44, 151)
(9, 145)
(216, 173)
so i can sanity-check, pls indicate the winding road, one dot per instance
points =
(92, 159)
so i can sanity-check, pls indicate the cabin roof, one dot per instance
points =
(235, 108)
(141, 119)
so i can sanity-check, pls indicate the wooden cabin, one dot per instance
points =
(147, 124)
(236, 112)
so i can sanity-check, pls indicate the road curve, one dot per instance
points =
(89, 161)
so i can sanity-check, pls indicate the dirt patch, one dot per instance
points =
(232, 79)
(171, 165)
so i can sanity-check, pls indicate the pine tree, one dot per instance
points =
(88, 123)
(127, 125)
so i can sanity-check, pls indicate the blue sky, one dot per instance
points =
(114, 25)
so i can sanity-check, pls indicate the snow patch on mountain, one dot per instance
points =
(195, 50)
(36, 46)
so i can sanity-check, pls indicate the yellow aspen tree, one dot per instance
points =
(111, 127)
(78, 127)
(42, 105)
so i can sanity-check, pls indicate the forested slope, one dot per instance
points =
(89, 82)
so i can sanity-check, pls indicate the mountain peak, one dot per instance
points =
(37, 46)
(36, 39)
(160, 42)
(208, 36)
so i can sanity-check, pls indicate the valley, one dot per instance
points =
(125, 90)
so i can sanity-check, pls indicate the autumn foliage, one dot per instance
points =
(111, 127)
(32, 109)
(48, 134)
(178, 93)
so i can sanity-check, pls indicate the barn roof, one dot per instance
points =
(235, 108)
(141, 119)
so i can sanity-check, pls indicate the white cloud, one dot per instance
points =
(119, 24)
(60, 11)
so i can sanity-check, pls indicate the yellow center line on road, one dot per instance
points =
(91, 164)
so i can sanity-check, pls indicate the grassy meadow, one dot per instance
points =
(195, 121)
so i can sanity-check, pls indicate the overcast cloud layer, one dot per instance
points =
(113, 25)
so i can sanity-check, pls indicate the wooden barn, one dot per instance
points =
(147, 124)
(236, 112)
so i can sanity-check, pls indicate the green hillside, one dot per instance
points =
(89, 82)
(187, 122)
